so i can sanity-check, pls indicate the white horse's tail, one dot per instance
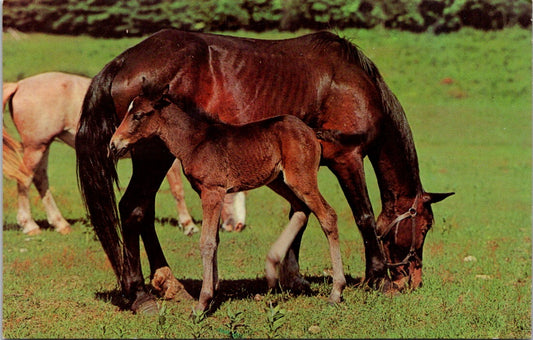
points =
(8, 90)
(12, 164)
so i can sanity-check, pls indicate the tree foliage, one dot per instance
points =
(117, 18)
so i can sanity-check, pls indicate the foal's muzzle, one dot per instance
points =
(117, 148)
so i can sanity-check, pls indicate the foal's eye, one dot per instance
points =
(137, 116)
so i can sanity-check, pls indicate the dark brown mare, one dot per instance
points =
(280, 152)
(320, 78)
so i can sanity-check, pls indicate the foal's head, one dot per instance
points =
(142, 120)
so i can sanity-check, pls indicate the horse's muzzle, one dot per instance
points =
(117, 148)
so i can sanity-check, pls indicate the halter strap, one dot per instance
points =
(411, 213)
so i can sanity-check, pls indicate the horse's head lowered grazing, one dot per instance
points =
(401, 239)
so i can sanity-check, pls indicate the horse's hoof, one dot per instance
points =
(190, 229)
(198, 309)
(33, 232)
(334, 299)
(145, 307)
(296, 284)
(168, 287)
(227, 227)
(65, 230)
(239, 227)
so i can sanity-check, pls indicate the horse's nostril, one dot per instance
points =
(112, 150)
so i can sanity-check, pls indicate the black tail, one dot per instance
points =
(96, 171)
(335, 136)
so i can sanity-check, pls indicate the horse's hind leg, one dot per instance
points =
(40, 179)
(176, 187)
(31, 159)
(137, 211)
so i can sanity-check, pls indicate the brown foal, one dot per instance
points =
(281, 152)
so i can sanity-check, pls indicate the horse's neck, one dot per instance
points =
(396, 165)
(182, 133)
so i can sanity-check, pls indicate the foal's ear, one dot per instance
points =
(144, 90)
(430, 197)
(166, 90)
(164, 101)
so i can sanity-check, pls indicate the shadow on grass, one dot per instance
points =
(229, 290)
(44, 225)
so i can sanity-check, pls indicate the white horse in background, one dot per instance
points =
(48, 106)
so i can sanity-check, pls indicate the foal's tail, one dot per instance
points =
(12, 164)
(96, 171)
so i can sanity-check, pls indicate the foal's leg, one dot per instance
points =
(305, 186)
(40, 179)
(176, 187)
(212, 200)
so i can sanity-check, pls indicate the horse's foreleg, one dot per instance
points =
(137, 210)
(211, 205)
(176, 187)
(349, 170)
(40, 179)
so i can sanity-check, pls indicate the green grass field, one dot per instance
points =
(468, 100)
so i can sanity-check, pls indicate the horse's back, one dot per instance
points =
(48, 104)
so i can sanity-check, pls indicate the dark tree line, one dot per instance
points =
(118, 18)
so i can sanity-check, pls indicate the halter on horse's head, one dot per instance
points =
(401, 240)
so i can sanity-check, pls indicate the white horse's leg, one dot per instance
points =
(234, 212)
(176, 187)
(40, 179)
(24, 219)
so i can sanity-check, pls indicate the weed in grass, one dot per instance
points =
(275, 318)
(234, 324)
(162, 326)
(194, 324)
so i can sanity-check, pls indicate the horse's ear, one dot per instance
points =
(143, 86)
(166, 90)
(164, 101)
(430, 197)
